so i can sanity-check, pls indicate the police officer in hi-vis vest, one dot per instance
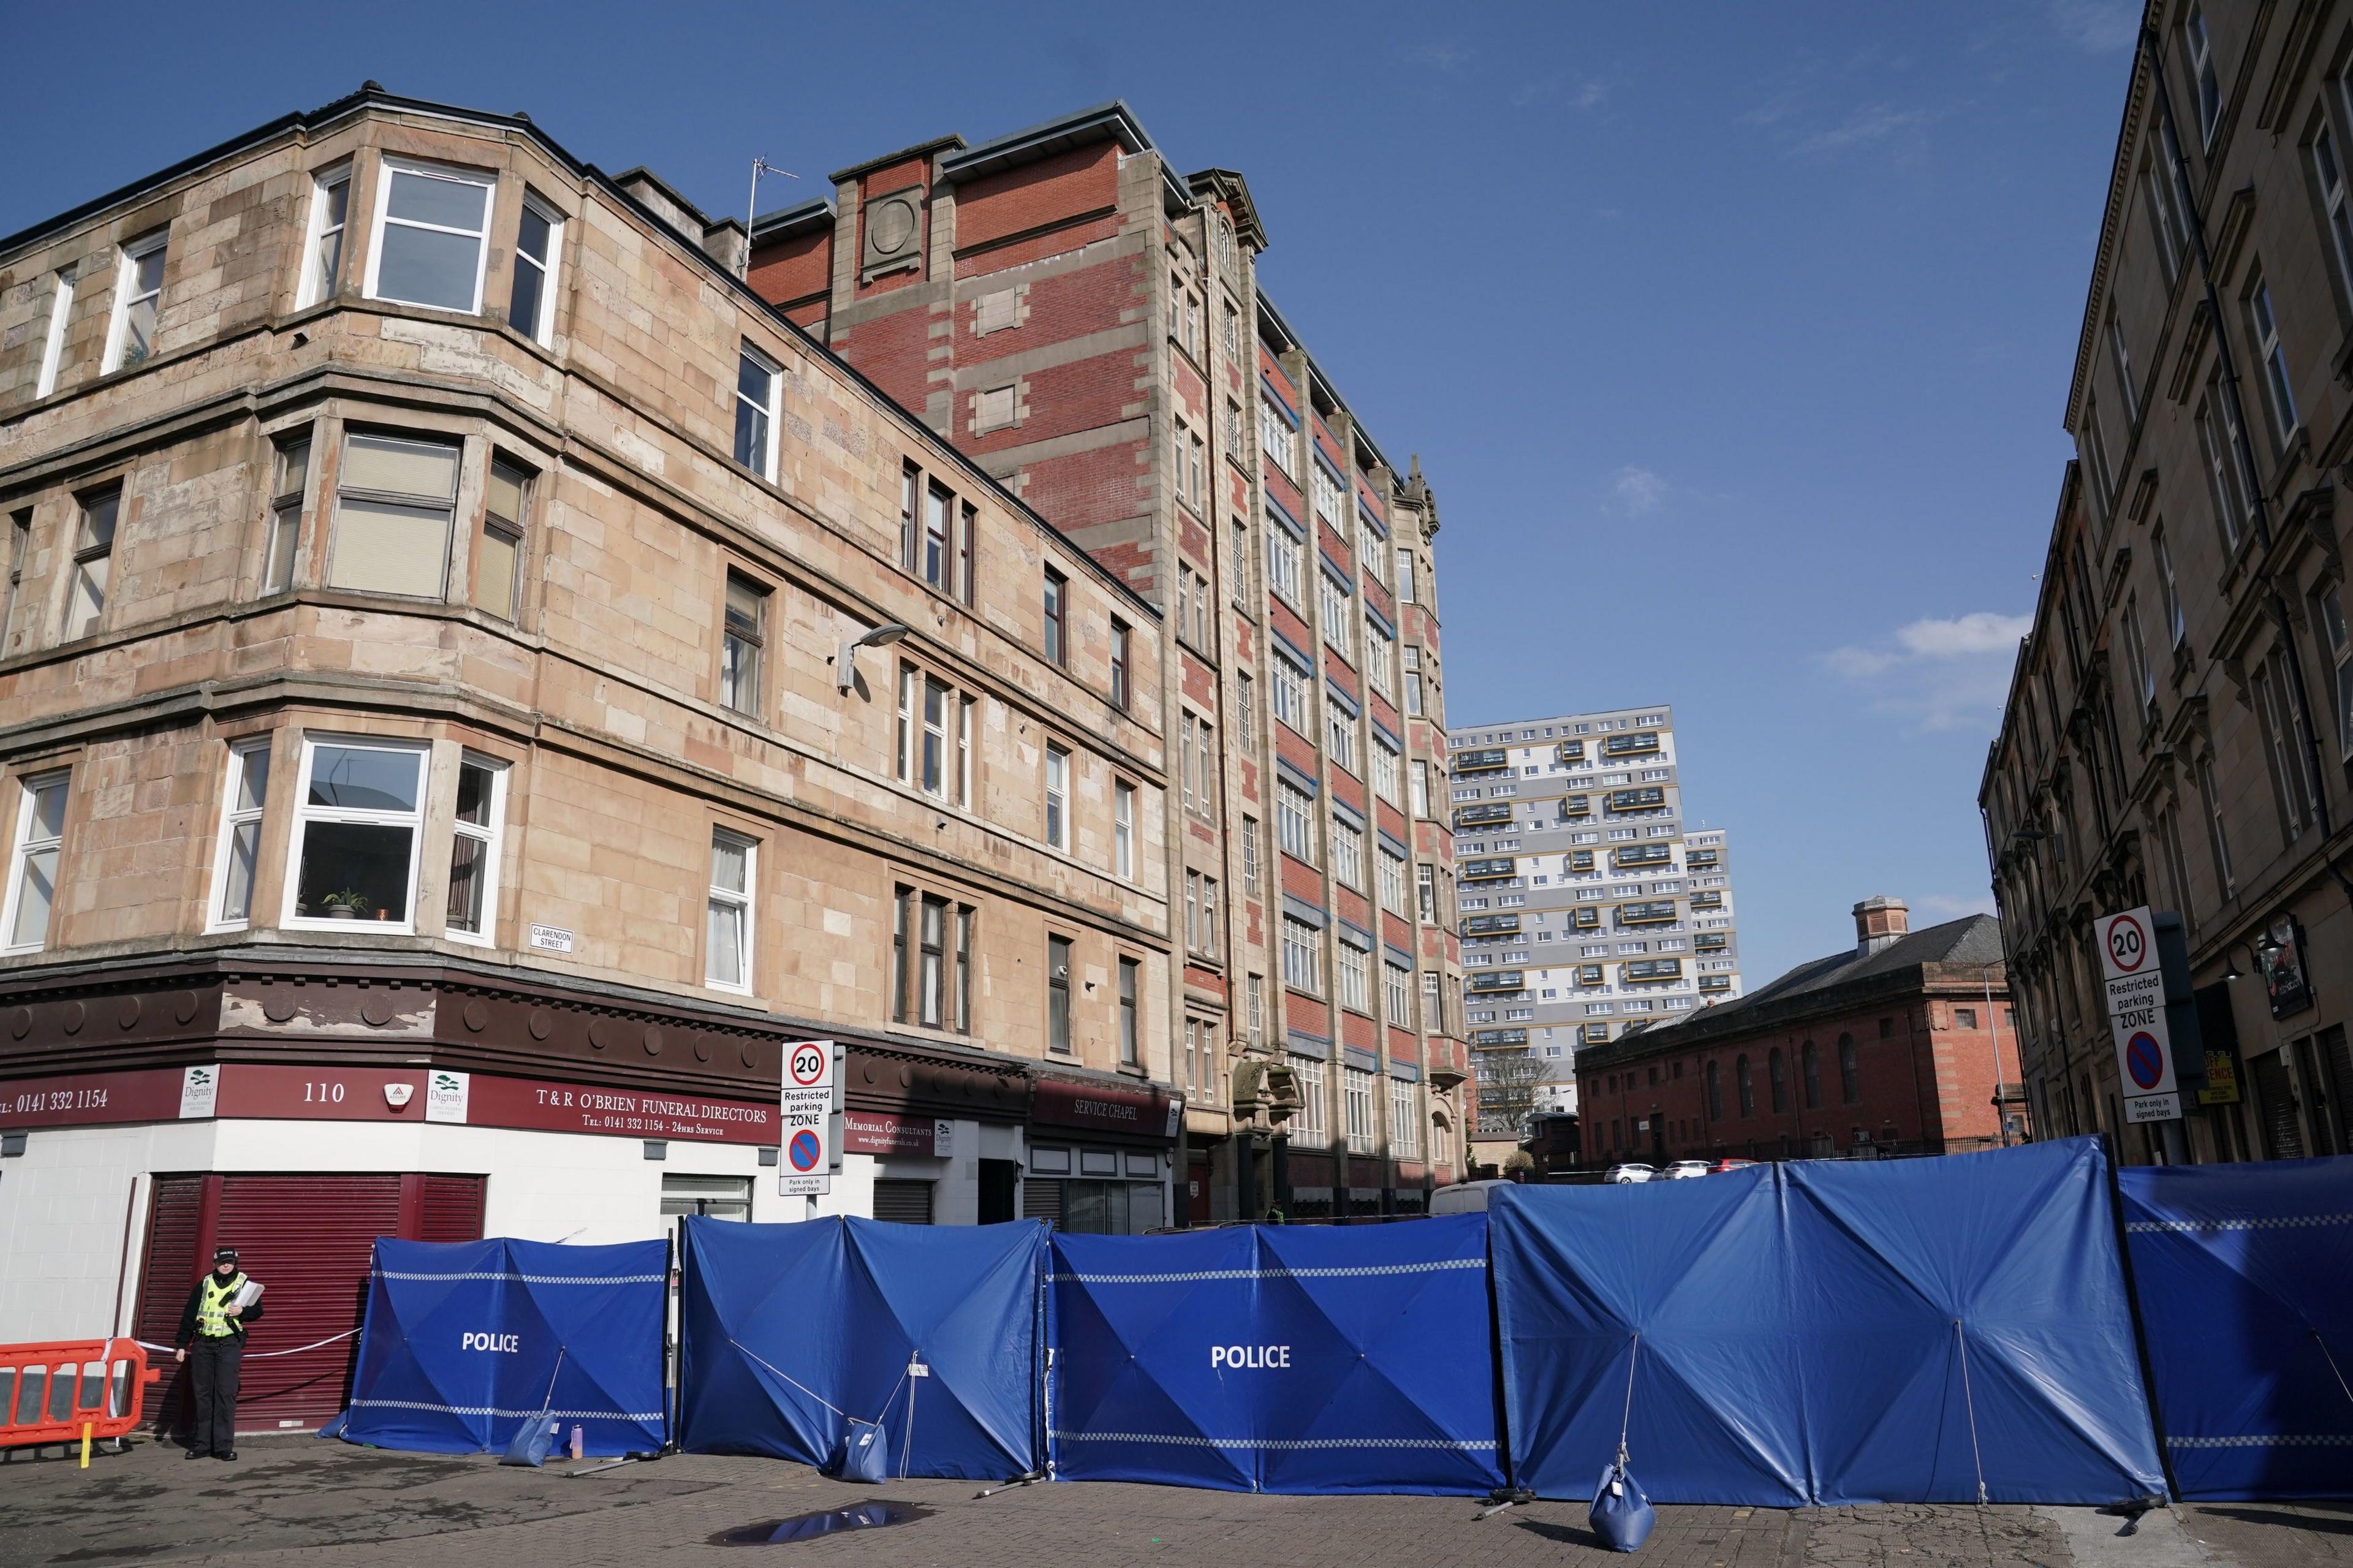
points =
(212, 1341)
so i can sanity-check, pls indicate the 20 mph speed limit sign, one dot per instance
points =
(804, 1108)
(2135, 979)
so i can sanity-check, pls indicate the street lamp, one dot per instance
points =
(2263, 948)
(845, 663)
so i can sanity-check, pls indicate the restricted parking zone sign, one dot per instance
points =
(2134, 980)
(805, 1111)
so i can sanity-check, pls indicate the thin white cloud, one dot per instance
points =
(1981, 631)
(1939, 674)
(1445, 57)
(1872, 122)
(1638, 491)
(1930, 909)
(2097, 27)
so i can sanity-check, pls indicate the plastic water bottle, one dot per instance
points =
(575, 1440)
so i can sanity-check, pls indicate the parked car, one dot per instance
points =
(1684, 1170)
(1720, 1167)
(1620, 1175)
(1464, 1197)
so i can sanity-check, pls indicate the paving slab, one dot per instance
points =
(327, 1504)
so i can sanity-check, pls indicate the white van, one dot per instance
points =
(1464, 1197)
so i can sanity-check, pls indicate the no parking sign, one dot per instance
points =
(2135, 987)
(805, 1112)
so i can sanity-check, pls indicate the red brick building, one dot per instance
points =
(1083, 319)
(1899, 1045)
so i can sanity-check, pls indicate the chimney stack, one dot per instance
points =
(1879, 922)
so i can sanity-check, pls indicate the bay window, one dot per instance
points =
(531, 309)
(239, 850)
(473, 893)
(498, 565)
(93, 562)
(358, 821)
(290, 473)
(33, 861)
(331, 197)
(394, 503)
(431, 231)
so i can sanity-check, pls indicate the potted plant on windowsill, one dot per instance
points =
(346, 905)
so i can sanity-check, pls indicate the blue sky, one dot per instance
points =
(1735, 338)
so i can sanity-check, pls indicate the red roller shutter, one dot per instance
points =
(307, 1239)
(175, 1215)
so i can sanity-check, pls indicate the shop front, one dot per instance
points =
(1101, 1155)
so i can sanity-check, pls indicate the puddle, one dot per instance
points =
(832, 1522)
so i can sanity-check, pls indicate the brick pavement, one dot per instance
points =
(328, 1504)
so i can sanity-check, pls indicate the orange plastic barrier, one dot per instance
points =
(49, 1393)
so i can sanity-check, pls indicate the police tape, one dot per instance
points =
(259, 1355)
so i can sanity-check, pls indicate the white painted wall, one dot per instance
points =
(67, 1204)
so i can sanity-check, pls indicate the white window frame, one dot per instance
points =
(2120, 360)
(312, 290)
(1302, 956)
(1294, 821)
(1393, 893)
(1386, 768)
(1405, 1143)
(1286, 558)
(2205, 77)
(23, 847)
(1355, 986)
(745, 350)
(53, 344)
(2335, 203)
(305, 813)
(1356, 1091)
(1307, 1128)
(1348, 855)
(1276, 436)
(487, 184)
(1397, 986)
(1340, 736)
(2170, 587)
(127, 262)
(744, 901)
(492, 837)
(1290, 696)
(1058, 796)
(232, 817)
(1404, 586)
(2277, 389)
(543, 330)
(1123, 830)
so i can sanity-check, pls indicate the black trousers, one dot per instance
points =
(213, 1368)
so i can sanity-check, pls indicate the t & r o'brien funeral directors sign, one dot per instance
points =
(2135, 979)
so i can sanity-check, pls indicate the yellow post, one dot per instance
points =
(84, 1445)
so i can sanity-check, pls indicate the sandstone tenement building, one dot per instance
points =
(479, 679)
